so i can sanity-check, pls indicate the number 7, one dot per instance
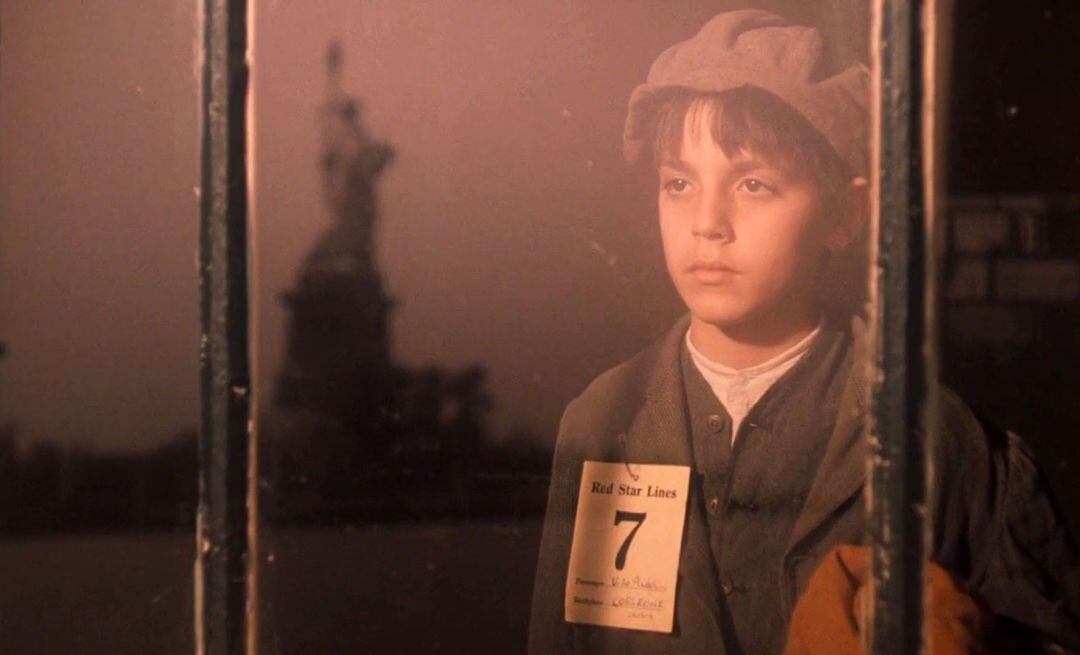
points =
(620, 516)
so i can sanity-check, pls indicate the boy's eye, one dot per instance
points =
(755, 186)
(676, 185)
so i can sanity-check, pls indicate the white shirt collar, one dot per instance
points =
(738, 390)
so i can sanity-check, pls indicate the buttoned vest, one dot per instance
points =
(752, 491)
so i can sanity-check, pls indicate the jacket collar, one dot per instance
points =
(658, 431)
(844, 466)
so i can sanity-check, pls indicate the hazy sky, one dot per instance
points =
(511, 234)
(98, 164)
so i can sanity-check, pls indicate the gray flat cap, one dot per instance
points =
(757, 48)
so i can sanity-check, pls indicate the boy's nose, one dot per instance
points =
(713, 219)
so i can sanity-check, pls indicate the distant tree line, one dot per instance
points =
(46, 487)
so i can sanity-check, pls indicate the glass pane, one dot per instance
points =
(1010, 278)
(450, 248)
(98, 374)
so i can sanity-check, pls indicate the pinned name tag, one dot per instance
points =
(624, 560)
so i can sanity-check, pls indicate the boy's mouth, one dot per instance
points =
(712, 272)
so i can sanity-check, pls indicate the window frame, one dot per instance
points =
(904, 187)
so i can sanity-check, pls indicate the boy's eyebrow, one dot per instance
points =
(746, 164)
(739, 166)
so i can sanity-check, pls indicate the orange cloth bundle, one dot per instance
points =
(829, 620)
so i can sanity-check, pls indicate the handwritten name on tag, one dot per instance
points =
(624, 560)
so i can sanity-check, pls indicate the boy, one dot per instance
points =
(696, 487)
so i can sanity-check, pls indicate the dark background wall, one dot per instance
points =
(1010, 344)
(1015, 98)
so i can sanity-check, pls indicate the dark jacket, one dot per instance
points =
(995, 526)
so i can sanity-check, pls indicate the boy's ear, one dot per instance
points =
(852, 208)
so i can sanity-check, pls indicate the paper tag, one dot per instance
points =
(624, 561)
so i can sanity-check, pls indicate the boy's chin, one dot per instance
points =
(745, 320)
(720, 316)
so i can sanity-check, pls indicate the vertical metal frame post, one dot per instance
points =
(221, 567)
(898, 429)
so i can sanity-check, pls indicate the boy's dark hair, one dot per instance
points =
(751, 119)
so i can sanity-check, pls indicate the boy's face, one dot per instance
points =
(743, 238)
